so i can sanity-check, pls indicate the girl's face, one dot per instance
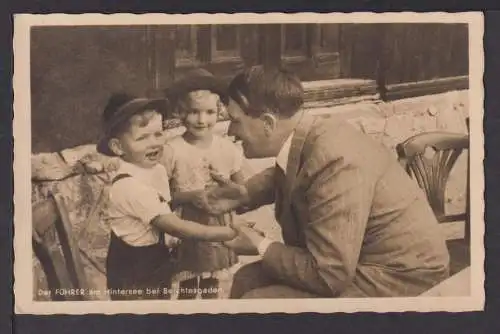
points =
(200, 113)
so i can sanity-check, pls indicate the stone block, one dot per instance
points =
(372, 125)
(398, 128)
(425, 123)
(452, 120)
(73, 155)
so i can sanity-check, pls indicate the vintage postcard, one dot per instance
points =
(236, 163)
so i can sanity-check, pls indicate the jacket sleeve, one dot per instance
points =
(337, 202)
(261, 190)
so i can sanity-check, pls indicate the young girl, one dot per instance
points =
(191, 160)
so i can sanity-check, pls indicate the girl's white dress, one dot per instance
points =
(189, 168)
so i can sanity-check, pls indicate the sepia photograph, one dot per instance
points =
(225, 163)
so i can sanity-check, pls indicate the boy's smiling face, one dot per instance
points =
(199, 112)
(142, 143)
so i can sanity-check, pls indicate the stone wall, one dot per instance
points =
(388, 123)
(393, 122)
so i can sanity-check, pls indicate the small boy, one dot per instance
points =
(144, 230)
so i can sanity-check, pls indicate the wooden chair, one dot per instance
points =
(432, 174)
(60, 260)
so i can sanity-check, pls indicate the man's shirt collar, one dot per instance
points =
(282, 158)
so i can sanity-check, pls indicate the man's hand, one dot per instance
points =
(227, 189)
(224, 197)
(242, 245)
(253, 235)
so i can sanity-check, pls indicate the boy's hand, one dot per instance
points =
(232, 233)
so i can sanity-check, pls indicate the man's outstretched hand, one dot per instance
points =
(246, 242)
(224, 197)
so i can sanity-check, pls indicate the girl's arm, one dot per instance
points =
(185, 197)
(184, 229)
(195, 196)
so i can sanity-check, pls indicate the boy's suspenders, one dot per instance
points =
(118, 177)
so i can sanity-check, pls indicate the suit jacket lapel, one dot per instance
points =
(280, 181)
(298, 140)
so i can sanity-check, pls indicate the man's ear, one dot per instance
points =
(115, 146)
(270, 123)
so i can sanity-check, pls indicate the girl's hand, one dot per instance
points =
(172, 242)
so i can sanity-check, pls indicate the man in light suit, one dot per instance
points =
(353, 223)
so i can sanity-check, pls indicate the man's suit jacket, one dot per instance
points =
(354, 224)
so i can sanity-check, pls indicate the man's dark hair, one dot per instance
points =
(275, 90)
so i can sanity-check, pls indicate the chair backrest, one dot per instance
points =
(432, 173)
(57, 249)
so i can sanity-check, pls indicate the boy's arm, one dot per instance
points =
(184, 229)
(137, 200)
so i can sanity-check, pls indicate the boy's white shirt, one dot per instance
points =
(155, 177)
(130, 216)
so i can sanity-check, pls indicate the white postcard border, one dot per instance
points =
(23, 273)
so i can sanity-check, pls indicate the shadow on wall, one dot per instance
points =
(85, 70)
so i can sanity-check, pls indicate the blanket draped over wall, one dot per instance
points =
(84, 194)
